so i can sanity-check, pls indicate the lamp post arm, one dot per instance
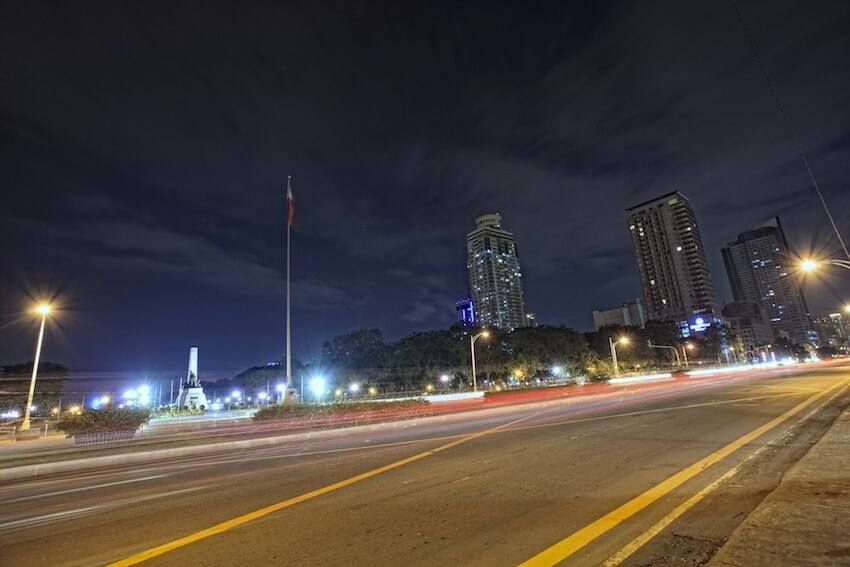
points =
(675, 351)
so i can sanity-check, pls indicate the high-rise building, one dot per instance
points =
(833, 330)
(628, 313)
(495, 282)
(671, 262)
(758, 265)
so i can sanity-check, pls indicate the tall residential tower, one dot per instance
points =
(758, 266)
(671, 261)
(495, 282)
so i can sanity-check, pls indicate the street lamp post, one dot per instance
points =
(472, 340)
(676, 352)
(756, 349)
(614, 344)
(43, 310)
(685, 348)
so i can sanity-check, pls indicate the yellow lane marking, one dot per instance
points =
(641, 540)
(569, 545)
(256, 514)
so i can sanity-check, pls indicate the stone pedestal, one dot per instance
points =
(193, 398)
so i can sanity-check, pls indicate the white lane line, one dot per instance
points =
(58, 516)
(83, 488)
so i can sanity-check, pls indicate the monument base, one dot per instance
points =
(193, 399)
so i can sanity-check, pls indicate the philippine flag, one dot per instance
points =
(290, 202)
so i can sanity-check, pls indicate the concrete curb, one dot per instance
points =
(804, 520)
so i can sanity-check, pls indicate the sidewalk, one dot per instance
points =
(806, 519)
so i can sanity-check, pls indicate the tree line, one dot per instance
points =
(524, 355)
(15, 383)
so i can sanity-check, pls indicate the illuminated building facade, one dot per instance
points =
(465, 310)
(495, 281)
(758, 266)
(674, 276)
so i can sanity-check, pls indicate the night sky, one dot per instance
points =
(144, 149)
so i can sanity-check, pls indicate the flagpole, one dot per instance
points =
(288, 313)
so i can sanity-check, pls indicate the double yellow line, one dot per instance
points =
(569, 545)
(550, 556)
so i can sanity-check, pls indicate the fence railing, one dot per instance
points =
(13, 432)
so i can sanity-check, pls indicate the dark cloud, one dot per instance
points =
(141, 140)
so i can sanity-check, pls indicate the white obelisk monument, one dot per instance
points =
(191, 394)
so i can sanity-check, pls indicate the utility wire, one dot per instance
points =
(788, 126)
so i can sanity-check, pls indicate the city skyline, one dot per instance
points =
(156, 221)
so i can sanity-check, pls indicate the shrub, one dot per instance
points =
(108, 419)
(312, 411)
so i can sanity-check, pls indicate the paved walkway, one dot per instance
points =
(806, 519)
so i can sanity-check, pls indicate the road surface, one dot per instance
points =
(653, 477)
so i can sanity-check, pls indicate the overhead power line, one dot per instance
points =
(788, 126)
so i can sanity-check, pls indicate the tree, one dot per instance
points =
(351, 351)
(15, 383)
(633, 355)
(713, 340)
(536, 350)
(257, 378)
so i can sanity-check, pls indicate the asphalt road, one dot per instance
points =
(561, 480)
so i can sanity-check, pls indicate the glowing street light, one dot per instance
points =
(613, 344)
(472, 340)
(354, 387)
(557, 370)
(810, 265)
(445, 379)
(236, 395)
(44, 311)
(317, 386)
